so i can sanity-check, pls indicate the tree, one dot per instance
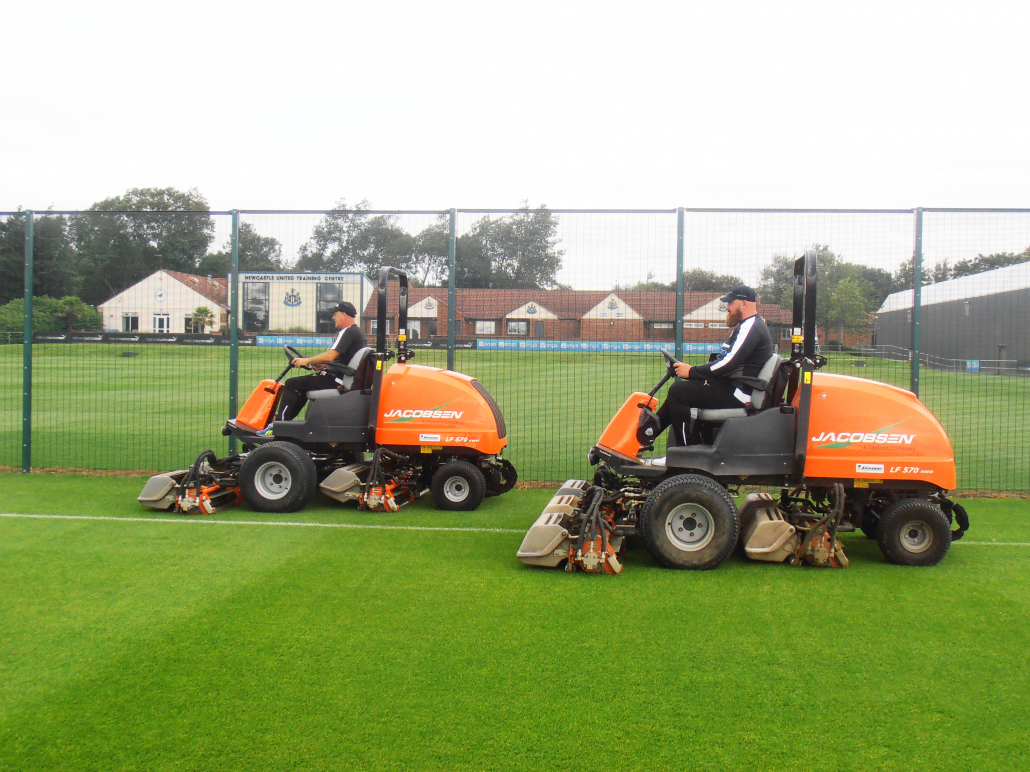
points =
(257, 253)
(354, 240)
(700, 280)
(872, 285)
(124, 239)
(50, 315)
(847, 307)
(519, 251)
(905, 275)
(202, 317)
(53, 257)
(983, 263)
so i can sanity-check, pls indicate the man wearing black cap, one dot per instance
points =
(348, 342)
(717, 384)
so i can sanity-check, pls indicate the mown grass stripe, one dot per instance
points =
(366, 526)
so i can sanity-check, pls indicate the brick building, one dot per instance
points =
(566, 315)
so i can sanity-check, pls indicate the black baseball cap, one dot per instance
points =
(347, 308)
(740, 292)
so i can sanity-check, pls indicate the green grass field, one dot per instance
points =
(97, 409)
(178, 645)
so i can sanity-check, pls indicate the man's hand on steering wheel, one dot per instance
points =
(676, 367)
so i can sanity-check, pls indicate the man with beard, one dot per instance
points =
(717, 384)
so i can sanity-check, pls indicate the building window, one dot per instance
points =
(516, 327)
(663, 325)
(965, 309)
(329, 295)
(785, 333)
(255, 306)
(187, 324)
(374, 326)
(162, 323)
(693, 325)
(130, 322)
(485, 327)
(717, 326)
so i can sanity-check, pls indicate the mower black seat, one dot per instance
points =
(758, 398)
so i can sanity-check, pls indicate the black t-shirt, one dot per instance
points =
(348, 343)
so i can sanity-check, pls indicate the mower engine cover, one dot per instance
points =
(432, 409)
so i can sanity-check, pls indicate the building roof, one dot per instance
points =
(1007, 279)
(565, 304)
(215, 290)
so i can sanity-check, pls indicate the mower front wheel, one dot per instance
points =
(278, 477)
(689, 522)
(458, 486)
(914, 532)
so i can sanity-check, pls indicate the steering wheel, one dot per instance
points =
(670, 362)
(292, 353)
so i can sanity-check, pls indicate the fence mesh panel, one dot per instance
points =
(560, 313)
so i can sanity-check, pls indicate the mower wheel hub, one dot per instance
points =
(916, 536)
(272, 480)
(689, 527)
(456, 489)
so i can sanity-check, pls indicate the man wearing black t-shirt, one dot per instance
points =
(718, 384)
(348, 342)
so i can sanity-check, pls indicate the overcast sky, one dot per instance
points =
(480, 104)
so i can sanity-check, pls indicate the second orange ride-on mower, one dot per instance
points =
(845, 453)
(427, 429)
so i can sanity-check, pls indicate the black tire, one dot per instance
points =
(914, 532)
(679, 504)
(458, 486)
(278, 477)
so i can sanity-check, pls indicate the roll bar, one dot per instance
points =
(805, 278)
(402, 314)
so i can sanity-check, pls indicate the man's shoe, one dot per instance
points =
(267, 432)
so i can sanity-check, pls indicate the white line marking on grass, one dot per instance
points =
(994, 543)
(368, 526)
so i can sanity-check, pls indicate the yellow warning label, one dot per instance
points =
(379, 364)
(797, 339)
(808, 377)
(431, 448)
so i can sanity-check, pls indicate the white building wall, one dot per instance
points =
(158, 294)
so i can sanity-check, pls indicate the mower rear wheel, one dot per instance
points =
(458, 486)
(278, 477)
(914, 532)
(689, 522)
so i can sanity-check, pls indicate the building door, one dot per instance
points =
(538, 328)
(162, 323)
(414, 329)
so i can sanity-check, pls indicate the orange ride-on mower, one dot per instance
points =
(427, 429)
(845, 453)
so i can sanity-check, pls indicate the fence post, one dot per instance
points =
(26, 378)
(917, 301)
(450, 292)
(234, 315)
(679, 282)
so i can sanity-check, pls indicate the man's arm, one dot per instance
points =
(318, 359)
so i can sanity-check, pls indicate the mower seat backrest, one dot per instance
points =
(770, 371)
(359, 364)
(356, 364)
